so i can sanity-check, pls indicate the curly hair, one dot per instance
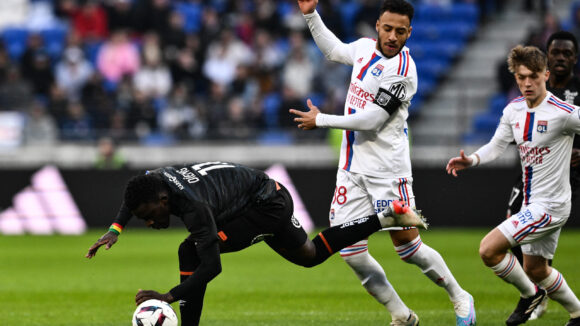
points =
(143, 189)
(529, 56)
(400, 7)
(564, 36)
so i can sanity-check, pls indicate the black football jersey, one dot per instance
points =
(216, 190)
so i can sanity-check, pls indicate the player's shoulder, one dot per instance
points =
(514, 106)
(518, 103)
(364, 44)
(554, 103)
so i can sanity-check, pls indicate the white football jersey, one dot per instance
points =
(544, 137)
(382, 153)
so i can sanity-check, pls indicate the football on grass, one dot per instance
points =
(154, 313)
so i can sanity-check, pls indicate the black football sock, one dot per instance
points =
(190, 307)
(338, 237)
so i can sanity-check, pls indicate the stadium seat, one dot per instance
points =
(465, 12)
(54, 41)
(497, 103)
(271, 105)
(348, 12)
(15, 40)
(477, 138)
(92, 51)
(486, 122)
(191, 13)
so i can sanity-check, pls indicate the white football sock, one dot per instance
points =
(558, 290)
(510, 270)
(374, 280)
(432, 265)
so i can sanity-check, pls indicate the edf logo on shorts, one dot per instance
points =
(382, 204)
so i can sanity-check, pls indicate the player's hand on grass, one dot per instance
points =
(108, 239)
(575, 157)
(307, 6)
(306, 120)
(458, 163)
(144, 295)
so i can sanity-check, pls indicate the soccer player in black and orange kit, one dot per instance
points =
(562, 54)
(227, 207)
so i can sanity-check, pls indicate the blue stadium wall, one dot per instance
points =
(477, 198)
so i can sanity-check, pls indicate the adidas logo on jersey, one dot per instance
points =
(44, 207)
(359, 60)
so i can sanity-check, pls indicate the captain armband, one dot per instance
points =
(116, 228)
(387, 100)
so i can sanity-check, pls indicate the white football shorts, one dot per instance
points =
(536, 228)
(358, 195)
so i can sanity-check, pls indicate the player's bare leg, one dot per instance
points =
(412, 250)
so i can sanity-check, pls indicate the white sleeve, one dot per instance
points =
(501, 139)
(332, 48)
(572, 123)
(359, 121)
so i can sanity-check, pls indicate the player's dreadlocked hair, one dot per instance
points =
(565, 36)
(143, 189)
(529, 56)
(400, 7)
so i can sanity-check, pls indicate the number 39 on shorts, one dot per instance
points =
(339, 195)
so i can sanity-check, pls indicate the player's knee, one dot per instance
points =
(487, 255)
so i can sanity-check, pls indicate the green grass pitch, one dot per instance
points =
(46, 281)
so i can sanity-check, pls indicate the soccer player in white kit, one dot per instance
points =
(543, 128)
(375, 165)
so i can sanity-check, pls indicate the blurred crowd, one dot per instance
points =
(550, 23)
(163, 71)
(159, 71)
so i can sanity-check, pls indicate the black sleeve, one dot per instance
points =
(387, 100)
(204, 232)
(123, 216)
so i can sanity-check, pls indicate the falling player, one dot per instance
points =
(227, 207)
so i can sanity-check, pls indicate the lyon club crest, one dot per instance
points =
(542, 126)
(377, 70)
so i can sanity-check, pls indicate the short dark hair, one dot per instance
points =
(529, 56)
(562, 35)
(143, 189)
(401, 7)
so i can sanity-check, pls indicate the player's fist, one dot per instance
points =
(307, 6)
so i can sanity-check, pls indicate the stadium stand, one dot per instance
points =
(484, 123)
(194, 42)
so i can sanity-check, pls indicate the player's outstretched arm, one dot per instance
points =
(306, 120)
(307, 6)
(108, 239)
(459, 163)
